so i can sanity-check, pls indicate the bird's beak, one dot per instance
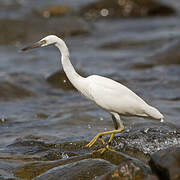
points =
(32, 46)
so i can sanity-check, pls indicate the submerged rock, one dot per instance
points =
(60, 80)
(55, 11)
(166, 163)
(34, 169)
(10, 91)
(29, 31)
(84, 169)
(126, 8)
(6, 170)
(167, 55)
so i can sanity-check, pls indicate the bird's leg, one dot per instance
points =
(102, 140)
(117, 124)
(102, 149)
(102, 134)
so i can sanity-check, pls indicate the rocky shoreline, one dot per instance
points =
(140, 153)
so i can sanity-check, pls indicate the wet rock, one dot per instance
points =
(169, 54)
(84, 169)
(166, 163)
(126, 8)
(37, 148)
(6, 170)
(55, 11)
(48, 156)
(34, 149)
(141, 66)
(140, 142)
(11, 91)
(48, 159)
(151, 177)
(126, 170)
(33, 169)
(60, 80)
(30, 29)
(128, 44)
(27, 147)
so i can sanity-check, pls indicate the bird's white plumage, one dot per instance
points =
(115, 97)
(108, 94)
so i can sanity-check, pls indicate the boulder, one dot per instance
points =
(10, 91)
(128, 169)
(166, 163)
(168, 54)
(143, 140)
(84, 169)
(126, 8)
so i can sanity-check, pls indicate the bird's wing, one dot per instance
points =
(115, 97)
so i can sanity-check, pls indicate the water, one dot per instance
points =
(118, 49)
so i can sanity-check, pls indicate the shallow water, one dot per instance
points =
(118, 49)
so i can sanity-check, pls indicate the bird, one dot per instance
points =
(108, 94)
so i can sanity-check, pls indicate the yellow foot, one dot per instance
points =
(99, 135)
(93, 140)
(102, 150)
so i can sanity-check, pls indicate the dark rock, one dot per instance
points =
(33, 169)
(1, 178)
(140, 142)
(84, 169)
(34, 149)
(28, 147)
(126, 170)
(126, 8)
(48, 156)
(30, 29)
(57, 10)
(119, 158)
(112, 156)
(166, 163)
(11, 91)
(60, 80)
(169, 54)
(116, 45)
(151, 177)
(6, 170)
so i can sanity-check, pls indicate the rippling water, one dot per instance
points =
(118, 49)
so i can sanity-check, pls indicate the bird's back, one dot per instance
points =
(115, 97)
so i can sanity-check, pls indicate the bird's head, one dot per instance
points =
(48, 40)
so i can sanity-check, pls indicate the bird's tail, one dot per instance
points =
(154, 114)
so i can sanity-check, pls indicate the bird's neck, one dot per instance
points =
(71, 73)
(69, 69)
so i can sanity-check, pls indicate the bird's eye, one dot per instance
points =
(43, 41)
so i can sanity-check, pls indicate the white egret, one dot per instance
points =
(110, 95)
